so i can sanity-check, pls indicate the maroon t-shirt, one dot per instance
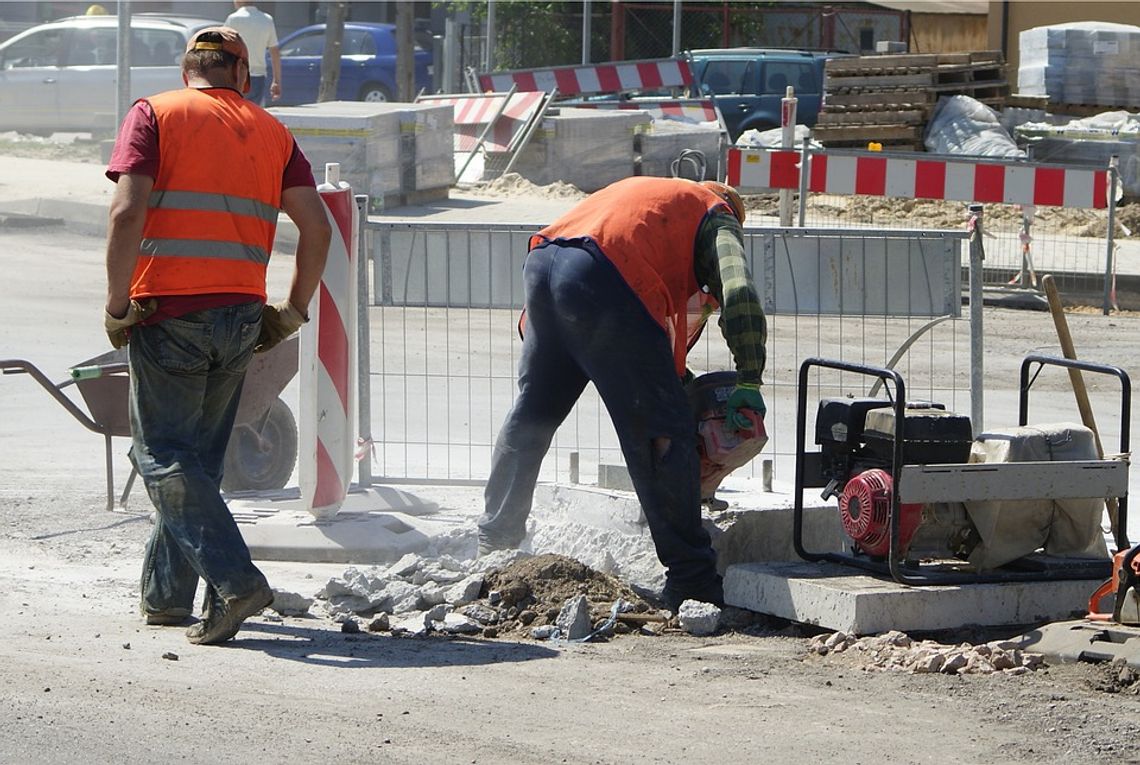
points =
(136, 153)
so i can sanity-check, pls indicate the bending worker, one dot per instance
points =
(616, 292)
(200, 175)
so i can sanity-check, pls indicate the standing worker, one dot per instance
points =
(257, 29)
(200, 175)
(616, 292)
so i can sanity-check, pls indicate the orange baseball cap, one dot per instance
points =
(729, 195)
(225, 39)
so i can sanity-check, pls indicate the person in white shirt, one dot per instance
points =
(257, 29)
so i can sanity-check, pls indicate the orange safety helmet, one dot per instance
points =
(729, 195)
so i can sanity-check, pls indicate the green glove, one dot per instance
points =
(278, 321)
(744, 396)
(117, 327)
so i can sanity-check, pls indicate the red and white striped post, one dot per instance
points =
(328, 362)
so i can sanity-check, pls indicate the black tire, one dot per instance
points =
(262, 454)
(374, 92)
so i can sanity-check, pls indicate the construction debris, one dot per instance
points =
(698, 618)
(506, 592)
(896, 652)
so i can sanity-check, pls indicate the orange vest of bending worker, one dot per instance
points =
(647, 227)
(213, 211)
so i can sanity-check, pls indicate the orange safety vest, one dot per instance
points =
(647, 227)
(212, 213)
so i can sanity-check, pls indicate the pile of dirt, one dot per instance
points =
(1116, 677)
(70, 149)
(935, 214)
(530, 592)
(514, 185)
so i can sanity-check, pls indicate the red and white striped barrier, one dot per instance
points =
(959, 180)
(612, 77)
(326, 453)
(683, 109)
(474, 111)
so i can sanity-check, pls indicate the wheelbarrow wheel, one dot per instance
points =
(262, 454)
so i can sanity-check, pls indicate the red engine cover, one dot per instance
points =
(865, 508)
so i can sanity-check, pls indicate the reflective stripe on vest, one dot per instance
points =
(212, 215)
(647, 227)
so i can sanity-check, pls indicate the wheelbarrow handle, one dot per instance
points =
(92, 372)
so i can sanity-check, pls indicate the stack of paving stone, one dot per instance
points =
(587, 148)
(670, 143)
(888, 99)
(1091, 64)
(396, 153)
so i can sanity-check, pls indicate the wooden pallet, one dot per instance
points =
(891, 62)
(880, 100)
(891, 117)
(866, 133)
(1021, 101)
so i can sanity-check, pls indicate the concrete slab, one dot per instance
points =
(841, 598)
(757, 526)
(1084, 640)
(376, 525)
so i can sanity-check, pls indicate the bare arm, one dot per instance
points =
(275, 59)
(124, 235)
(303, 205)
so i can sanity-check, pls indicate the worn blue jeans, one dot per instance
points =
(186, 377)
(584, 324)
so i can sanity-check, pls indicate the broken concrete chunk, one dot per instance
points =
(835, 639)
(465, 590)
(405, 566)
(481, 613)
(433, 572)
(436, 613)
(545, 632)
(698, 618)
(928, 662)
(457, 624)
(573, 621)
(433, 594)
(411, 623)
(289, 603)
(349, 604)
(954, 663)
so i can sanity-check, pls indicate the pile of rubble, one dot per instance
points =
(896, 651)
(507, 593)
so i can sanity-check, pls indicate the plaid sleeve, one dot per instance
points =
(720, 264)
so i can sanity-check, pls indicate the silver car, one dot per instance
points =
(62, 76)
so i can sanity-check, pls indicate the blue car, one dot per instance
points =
(748, 84)
(367, 64)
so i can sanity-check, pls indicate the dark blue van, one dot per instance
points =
(747, 84)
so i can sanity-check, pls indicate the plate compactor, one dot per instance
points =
(923, 500)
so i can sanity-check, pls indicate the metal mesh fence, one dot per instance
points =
(445, 344)
(1021, 243)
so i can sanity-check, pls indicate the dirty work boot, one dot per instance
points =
(674, 596)
(222, 619)
(169, 617)
(486, 547)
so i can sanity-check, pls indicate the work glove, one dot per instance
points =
(743, 396)
(278, 321)
(117, 327)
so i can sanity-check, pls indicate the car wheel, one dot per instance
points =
(374, 92)
(262, 454)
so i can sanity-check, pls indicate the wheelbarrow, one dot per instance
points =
(262, 451)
